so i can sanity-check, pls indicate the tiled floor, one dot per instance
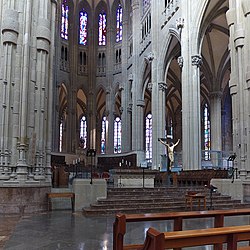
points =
(64, 230)
(7, 225)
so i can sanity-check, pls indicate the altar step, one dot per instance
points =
(152, 200)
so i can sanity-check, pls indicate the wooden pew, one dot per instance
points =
(119, 225)
(189, 238)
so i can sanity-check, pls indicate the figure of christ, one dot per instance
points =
(170, 149)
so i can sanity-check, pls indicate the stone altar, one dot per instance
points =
(133, 178)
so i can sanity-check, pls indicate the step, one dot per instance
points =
(138, 205)
(133, 200)
(159, 199)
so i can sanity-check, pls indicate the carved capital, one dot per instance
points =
(162, 86)
(150, 86)
(130, 77)
(216, 94)
(180, 61)
(140, 103)
(108, 91)
(149, 58)
(121, 110)
(179, 23)
(196, 60)
(129, 108)
(121, 87)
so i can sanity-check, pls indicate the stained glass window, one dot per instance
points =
(83, 132)
(65, 20)
(119, 24)
(60, 135)
(103, 135)
(83, 21)
(170, 130)
(207, 134)
(117, 135)
(148, 133)
(102, 22)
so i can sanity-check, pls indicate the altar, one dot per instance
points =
(133, 178)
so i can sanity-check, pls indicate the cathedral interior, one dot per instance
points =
(98, 83)
(109, 95)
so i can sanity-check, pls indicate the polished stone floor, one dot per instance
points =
(73, 231)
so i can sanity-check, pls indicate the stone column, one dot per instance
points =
(195, 125)
(139, 130)
(215, 119)
(136, 85)
(39, 133)
(9, 94)
(191, 128)
(22, 145)
(159, 122)
(91, 120)
(246, 91)
(125, 119)
(126, 93)
(50, 93)
(128, 127)
(110, 121)
(237, 84)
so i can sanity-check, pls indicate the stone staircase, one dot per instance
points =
(153, 200)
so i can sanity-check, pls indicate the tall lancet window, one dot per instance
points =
(102, 22)
(170, 129)
(83, 21)
(117, 135)
(61, 135)
(65, 20)
(207, 132)
(103, 135)
(148, 134)
(119, 24)
(83, 132)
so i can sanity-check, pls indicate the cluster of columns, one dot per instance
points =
(238, 17)
(26, 79)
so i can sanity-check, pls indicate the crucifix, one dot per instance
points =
(170, 149)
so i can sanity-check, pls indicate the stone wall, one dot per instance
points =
(23, 200)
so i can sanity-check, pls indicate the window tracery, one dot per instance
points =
(65, 20)
(83, 132)
(117, 135)
(119, 23)
(102, 22)
(83, 21)
(148, 133)
(207, 132)
(103, 135)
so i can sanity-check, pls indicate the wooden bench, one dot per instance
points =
(191, 196)
(119, 225)
(189, 238)
(61, 195)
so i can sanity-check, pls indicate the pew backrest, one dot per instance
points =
(119, 226)
(190, 238)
